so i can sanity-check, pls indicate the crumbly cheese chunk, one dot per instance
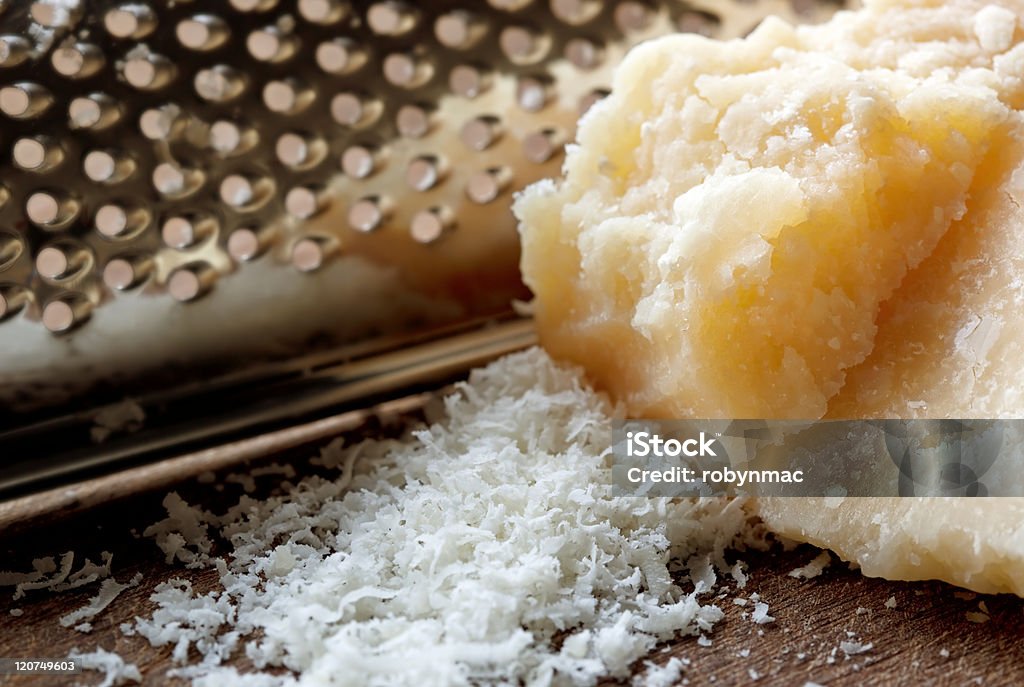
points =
(948, 345)
(735, 213)
(809, 222)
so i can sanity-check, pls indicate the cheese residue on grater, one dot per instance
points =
(809, 222)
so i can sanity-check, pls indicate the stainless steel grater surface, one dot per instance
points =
(191, 186)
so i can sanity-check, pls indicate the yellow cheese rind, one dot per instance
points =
(975, 543)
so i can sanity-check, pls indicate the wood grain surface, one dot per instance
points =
(812, 616)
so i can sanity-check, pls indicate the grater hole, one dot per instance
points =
(406, 70)
(367, 214)
(583, 53)
(99, 166)
(191, 281)
(126, 273)
(541, 146)
(286, 96)
(36, 154)
(173, 181)
(532, 93)
(270, 44)
(304, 202)
(60, 262)
(245, 193)
(481, 133)
(485, 186)
(359, 162)
(225, 137)
(413, 121)
(147, 72)
(94, 111)
(354, 110)
(24, 100)
(243, 244)
(523, 45)
(66, 312)
(428, 226)
(202, 32)
(47, 209)
(310, 253)
(107, 166)
(632, 17)
(77, 60)
(13, 50)
(575, 12)
(300, 151)
(115, 221)
(161, 123)
(468, 81)
(219, 83)
(423, 173)
(129, 21)
(237, 191)
(340, 56)
(182, 231)
(321, 11)
(391, 18)
(247, 243)
(291, 150)
(458, 30)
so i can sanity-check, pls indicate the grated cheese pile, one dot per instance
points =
(484, 549)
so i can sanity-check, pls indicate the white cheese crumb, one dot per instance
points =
(661, 676)
(863, 611)
(852, 648)
(814, 568)
(890, 602)
(115, 670)
(704, 640)
(760, 614)
(83, 627)
(109, 590)
(944, 653)
(754, 675)
(738, 574)
(739, 601)
(17, 612)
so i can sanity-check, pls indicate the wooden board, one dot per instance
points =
(811, 616)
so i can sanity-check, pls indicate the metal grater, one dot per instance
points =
(191, 186)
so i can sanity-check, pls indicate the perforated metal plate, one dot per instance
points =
(186, 183)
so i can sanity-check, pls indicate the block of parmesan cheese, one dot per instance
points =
(809, 222)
